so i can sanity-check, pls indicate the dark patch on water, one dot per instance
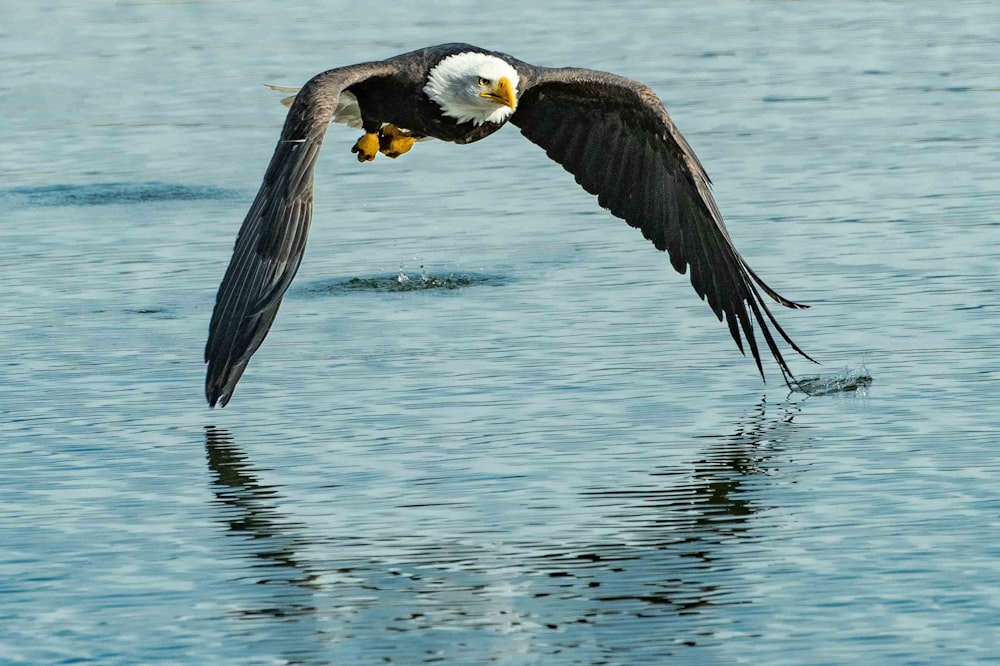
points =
(154, 312)
(100, 194)
(773, 99)
(402, 282)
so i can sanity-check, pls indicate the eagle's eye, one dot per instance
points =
(483, 82)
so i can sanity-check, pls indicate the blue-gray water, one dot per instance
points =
(563, 459)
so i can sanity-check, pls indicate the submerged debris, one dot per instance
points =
(848, 379)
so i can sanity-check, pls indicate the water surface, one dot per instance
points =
(557, 457)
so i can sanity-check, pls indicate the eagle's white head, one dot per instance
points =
(474, 87)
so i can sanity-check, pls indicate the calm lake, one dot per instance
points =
(549, 451)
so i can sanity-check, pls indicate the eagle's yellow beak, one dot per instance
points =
(502, 93)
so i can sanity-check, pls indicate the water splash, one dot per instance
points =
(402, 282)
(847, 380)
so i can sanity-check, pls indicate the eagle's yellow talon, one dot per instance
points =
(366, 147)
(393, 143)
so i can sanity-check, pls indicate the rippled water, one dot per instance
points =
(549, 452)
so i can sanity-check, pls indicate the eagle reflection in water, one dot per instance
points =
(682, 538)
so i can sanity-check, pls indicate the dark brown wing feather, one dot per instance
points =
(614, 135)
(272, 240)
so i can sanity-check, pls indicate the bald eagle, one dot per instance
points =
(612, 133)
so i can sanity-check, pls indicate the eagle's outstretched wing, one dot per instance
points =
(272, 239)
(614, 135)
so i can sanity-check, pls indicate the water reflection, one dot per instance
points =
(251, 517)
(669, 552)
(682, 539)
